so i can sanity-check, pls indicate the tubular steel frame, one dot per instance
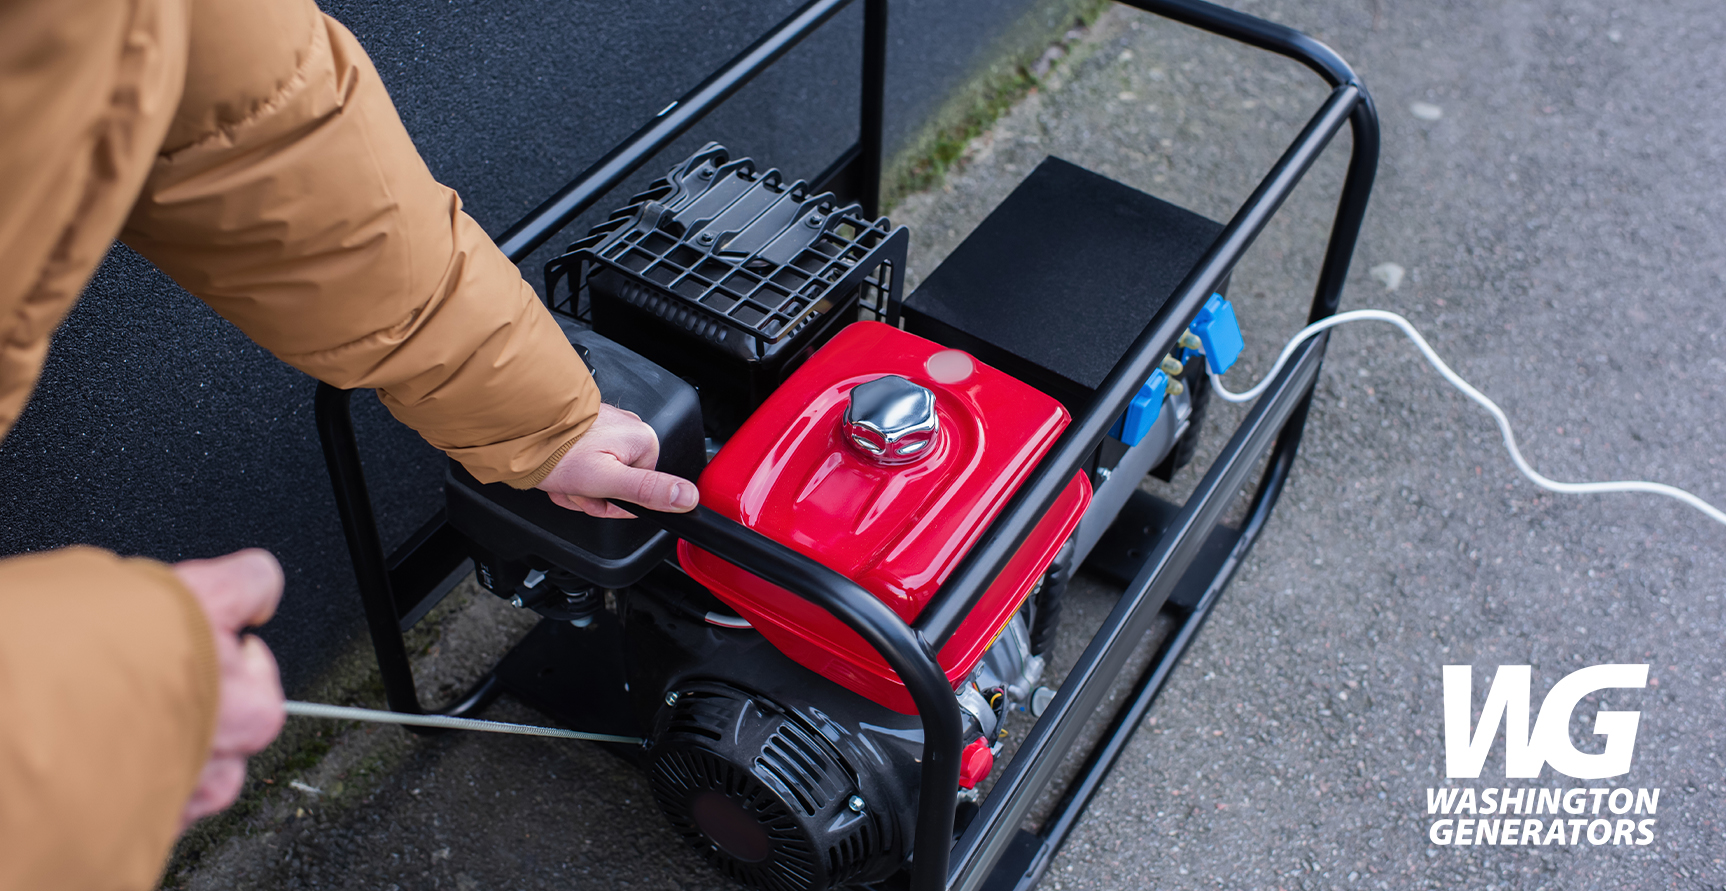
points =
(992, 852)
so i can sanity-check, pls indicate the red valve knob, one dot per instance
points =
(975, 762)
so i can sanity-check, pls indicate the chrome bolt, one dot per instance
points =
(517, 602)
(671, 698)
(855, 803)
(705, 238)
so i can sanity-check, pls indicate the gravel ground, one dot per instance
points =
(1549, 189)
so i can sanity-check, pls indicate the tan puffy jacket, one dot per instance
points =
(248, 149)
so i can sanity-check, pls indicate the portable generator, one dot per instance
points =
(824, 658)
(780, 743)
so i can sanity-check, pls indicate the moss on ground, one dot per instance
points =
(975, 107)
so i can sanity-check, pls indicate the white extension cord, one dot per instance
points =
(1379, 315)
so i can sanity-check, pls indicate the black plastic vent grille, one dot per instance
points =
(762, 796)
(730, 277)
(747, 293)
(679, 776)
(741, 247)
(701, 714)
(851, 854)
(805, 772)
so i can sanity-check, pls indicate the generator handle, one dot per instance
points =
(906, 652)
(675, 119)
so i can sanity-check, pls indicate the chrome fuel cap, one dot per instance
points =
(891, 420)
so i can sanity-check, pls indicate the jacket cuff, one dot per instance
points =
(110, 689)
(544, 470)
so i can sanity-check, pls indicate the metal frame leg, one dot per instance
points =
(333, 408)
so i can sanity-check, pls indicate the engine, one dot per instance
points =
(746, 320)
(780, 777)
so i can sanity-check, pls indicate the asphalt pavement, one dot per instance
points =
(1549, 212)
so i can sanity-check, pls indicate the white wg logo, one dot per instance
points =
(1527, 752)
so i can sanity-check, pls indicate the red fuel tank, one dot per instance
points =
(884, 458)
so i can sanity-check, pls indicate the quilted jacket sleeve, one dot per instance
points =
(107, 703)
(290, 198)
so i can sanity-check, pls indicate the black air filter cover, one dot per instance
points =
(763, 796)
(515, 529)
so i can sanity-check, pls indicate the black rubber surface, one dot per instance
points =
(158, 429)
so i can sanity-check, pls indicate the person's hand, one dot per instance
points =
(615, 459)
(237, 591)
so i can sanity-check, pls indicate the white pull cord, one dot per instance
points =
(341, 712)
(1360, 315)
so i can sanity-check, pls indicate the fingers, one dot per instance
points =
(615, 459)
(596, 507)
(648, 488)
(218, 786)
(249, 716)
(237, 590)
(638, 444)
(251, 712)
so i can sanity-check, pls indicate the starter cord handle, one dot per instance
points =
(1379, 315)
(344, 713)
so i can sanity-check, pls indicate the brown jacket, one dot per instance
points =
(248, 149)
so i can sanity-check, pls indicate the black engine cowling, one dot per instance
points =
(768, 800)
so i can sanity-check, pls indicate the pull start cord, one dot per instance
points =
(344, 713)
(1379, 315)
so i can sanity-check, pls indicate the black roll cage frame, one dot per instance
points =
(992, 851)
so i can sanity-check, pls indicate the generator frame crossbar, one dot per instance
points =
(992, 852)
